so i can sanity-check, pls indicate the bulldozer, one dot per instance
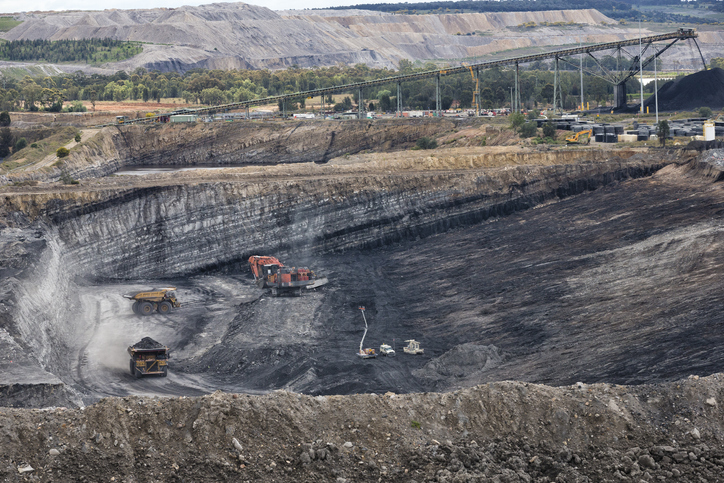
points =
(157, 299)
(271, 273)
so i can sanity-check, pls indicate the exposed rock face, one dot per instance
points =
(505, 431)
(237, 35)
(162, 231)
(237, 143)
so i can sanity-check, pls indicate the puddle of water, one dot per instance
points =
(141, 170)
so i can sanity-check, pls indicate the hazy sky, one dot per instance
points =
(11, 6)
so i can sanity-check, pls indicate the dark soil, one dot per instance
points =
(147, 343)
(705, 88)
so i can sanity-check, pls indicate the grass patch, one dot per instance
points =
(46, 146)
(8, 23)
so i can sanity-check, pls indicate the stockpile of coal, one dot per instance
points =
(705, 88)
(147, 343)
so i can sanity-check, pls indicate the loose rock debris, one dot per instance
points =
(506, 431)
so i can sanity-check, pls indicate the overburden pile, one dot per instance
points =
(705, 88)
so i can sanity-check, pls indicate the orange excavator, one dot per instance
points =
(271, 273)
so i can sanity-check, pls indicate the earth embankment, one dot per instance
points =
(238, 143)
(506, 431)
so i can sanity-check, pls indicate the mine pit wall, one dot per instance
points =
(171, 231)
(176, 230)
(243, 142)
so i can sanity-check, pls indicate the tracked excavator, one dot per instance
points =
(580, 137)
(271, 273)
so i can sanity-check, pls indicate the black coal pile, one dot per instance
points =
(147, 343)
(705, 88)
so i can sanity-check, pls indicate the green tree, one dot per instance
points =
(663, 131)
(426, 143)
(77, 137)
(516, 120)
(549, 130)
(212, 97)
(4, 119)
(705, 112)
(93, 96)
(528, 130)
(62, 152)
(6, 140)
(20, 144)
(533, 115)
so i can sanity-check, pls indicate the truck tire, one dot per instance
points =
(164, 307)
(133, 368)
(135, 307)
(145, 308)
(165, 372)
(137, 374)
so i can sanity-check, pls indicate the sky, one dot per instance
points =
(12, 6)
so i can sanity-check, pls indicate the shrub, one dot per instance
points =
(77, 137)
(34, 145)
(426, 143)
(20, 144)
(76, 106)
(549, 130)
(4, 119)
(528, 130)
(533, 115)
(62, 152)
(484, 142)
(516, 120)
(415, 424)
(705, 112)
(663, 131)
(65, 178)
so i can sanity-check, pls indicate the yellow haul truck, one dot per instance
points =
(157, 299)
(148, 357)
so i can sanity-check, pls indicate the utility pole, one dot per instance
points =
(399, 99)
(437, 95)
(641, 70)
(555, 87)
(581, 62)
(477, 92)
(515, 105)
(656, 87)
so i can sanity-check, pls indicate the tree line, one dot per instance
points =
(214, 87)
(83, 50)
(616, 9)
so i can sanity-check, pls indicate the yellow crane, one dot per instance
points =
(476, 81)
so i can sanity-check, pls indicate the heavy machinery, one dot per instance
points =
(387, 350)
(580, 137)
(157, 299)
(271, 273)
(148, 357)
(365, 353)
(412, 347)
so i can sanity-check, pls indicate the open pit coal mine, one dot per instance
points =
(569, 304)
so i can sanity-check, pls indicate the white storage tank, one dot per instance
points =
(708, 131)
